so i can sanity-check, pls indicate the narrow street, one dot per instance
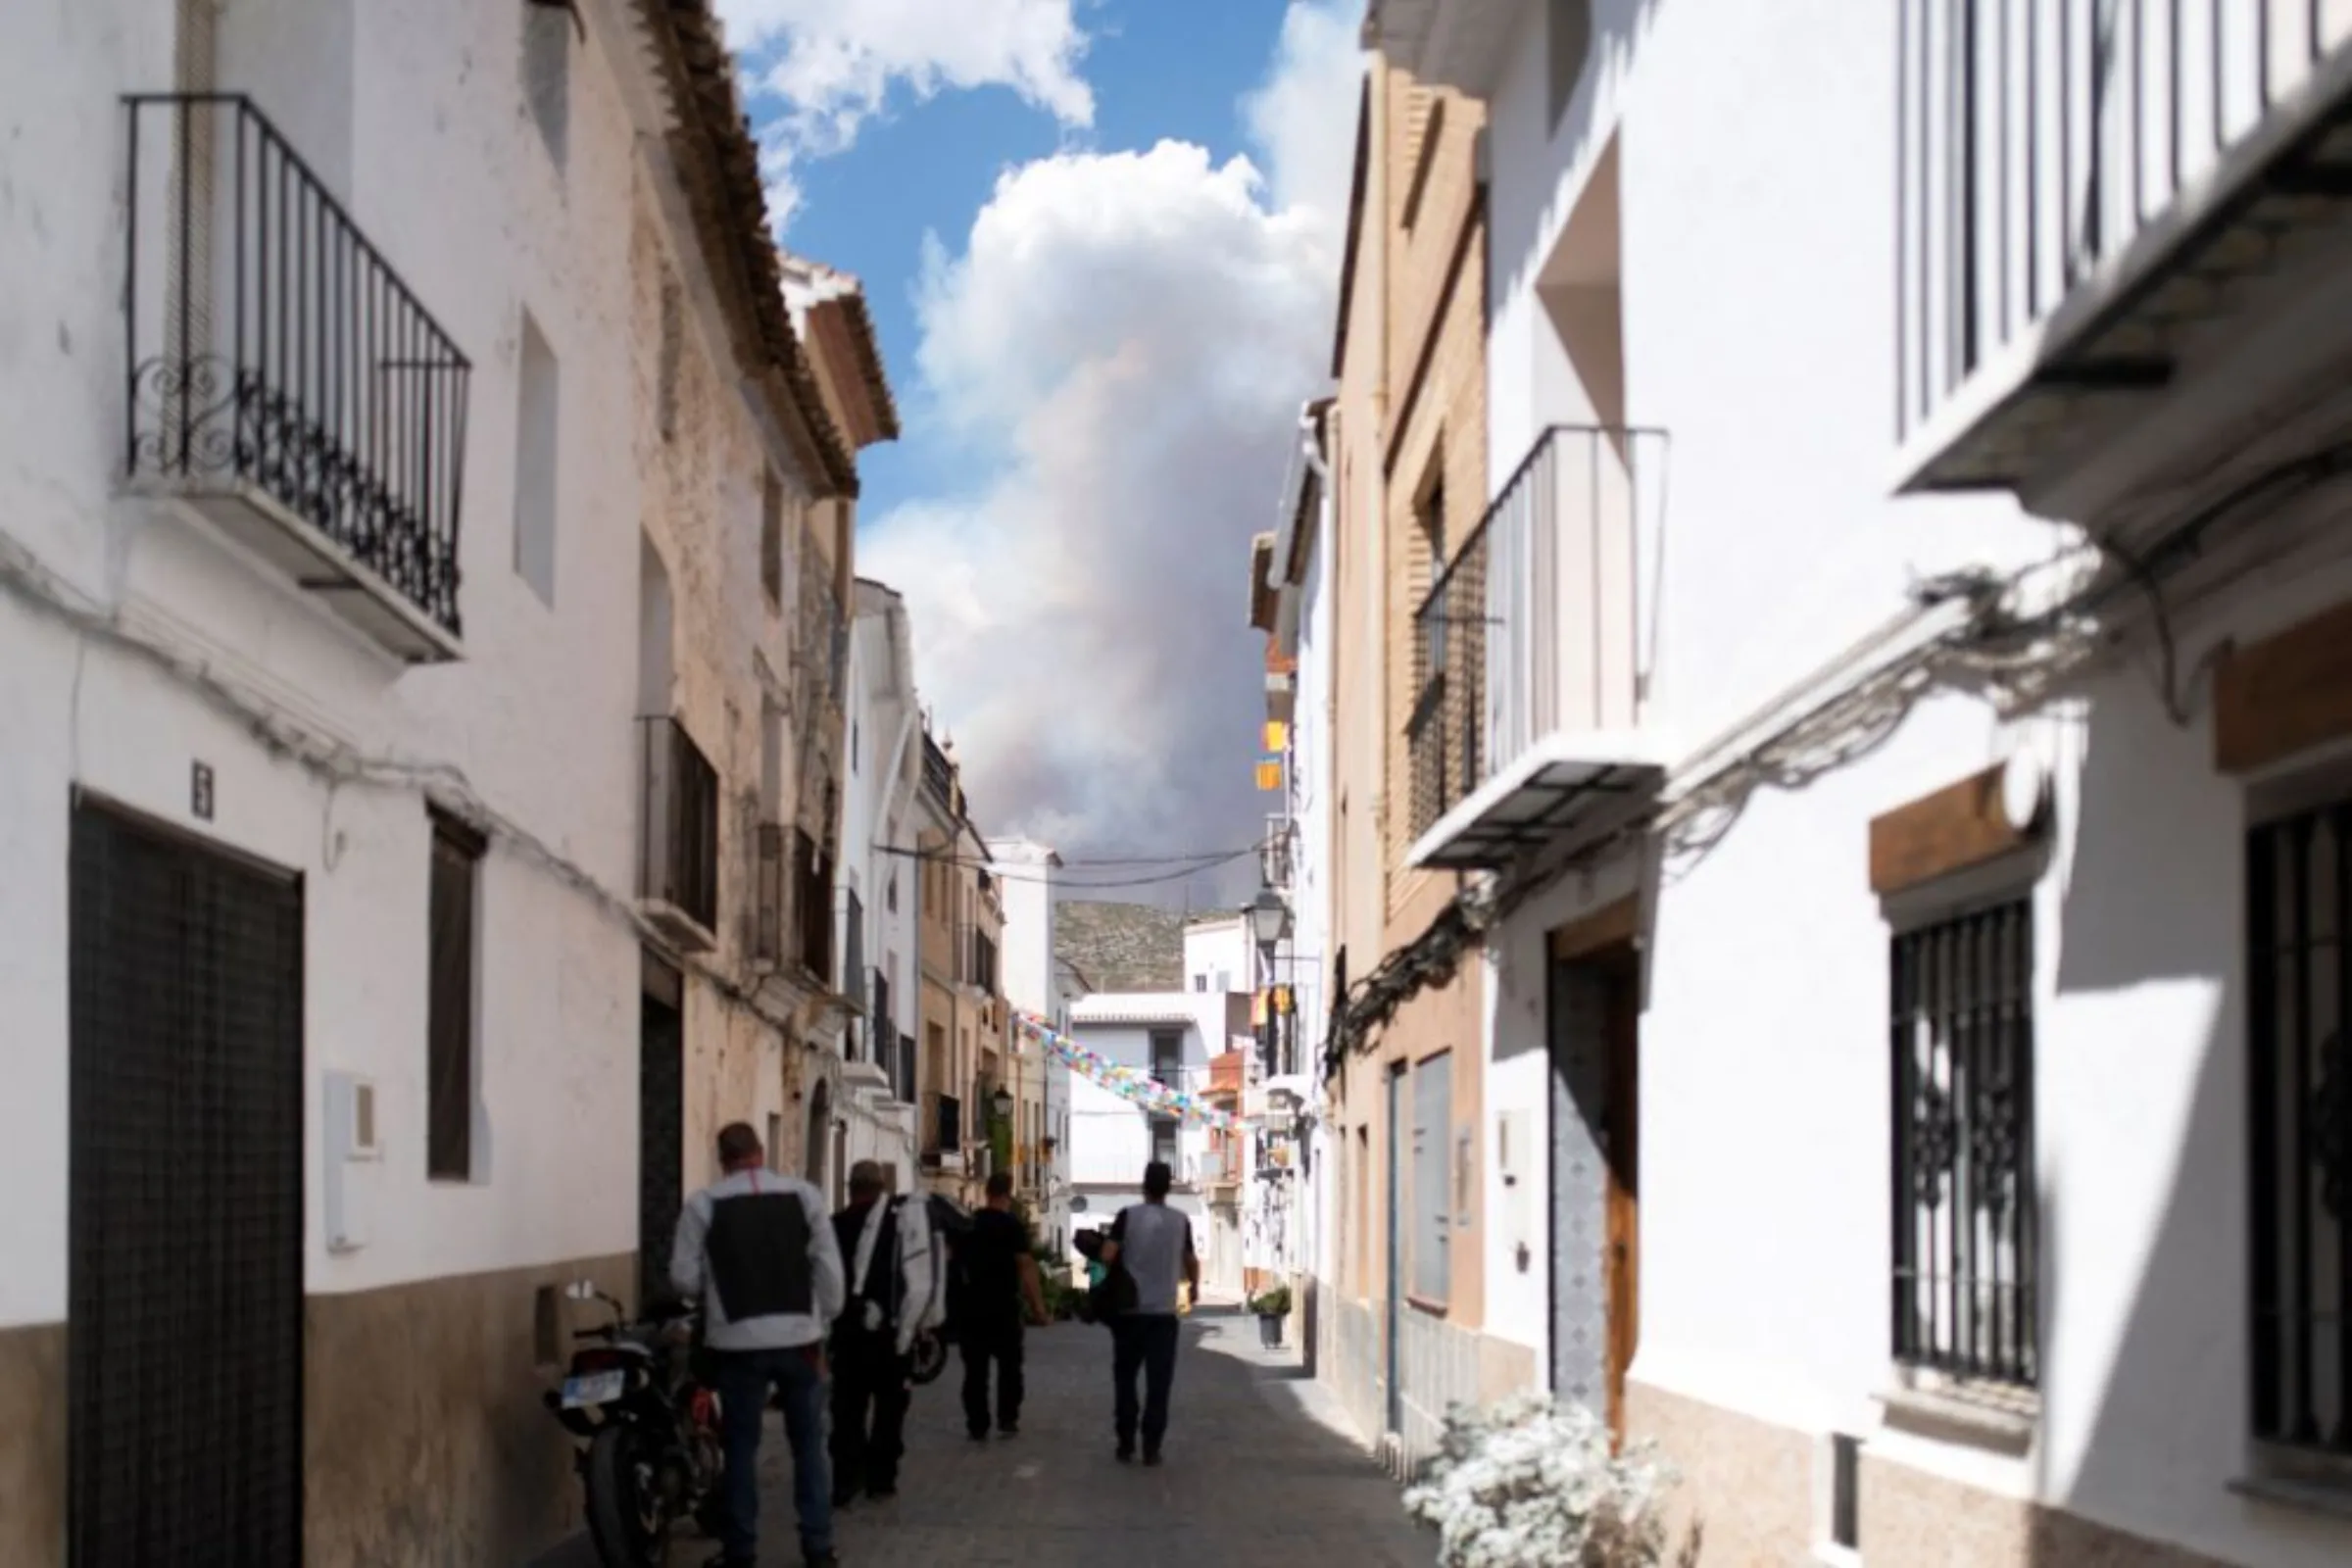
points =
(1259, 1475)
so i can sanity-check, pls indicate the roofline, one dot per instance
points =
(718, 163)
(1355, 222)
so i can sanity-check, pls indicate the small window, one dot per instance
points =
(536, 464)
(1200, 982)
(772, 538)
(449, 1070)
(1164, 1141)
(1967, 1216)
(890, 893)
(775, 1143)
(1432, 1173)
(547, 34)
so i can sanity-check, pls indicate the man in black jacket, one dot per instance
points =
(871, 1372)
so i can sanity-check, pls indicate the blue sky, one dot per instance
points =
(1159, 69)
(1101, 241)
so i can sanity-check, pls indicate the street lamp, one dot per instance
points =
(1002, 1103)
(1269, 918)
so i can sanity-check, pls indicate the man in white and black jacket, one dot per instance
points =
(757, 1248)
(892, 1298)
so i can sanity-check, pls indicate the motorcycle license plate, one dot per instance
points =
(598, 1387)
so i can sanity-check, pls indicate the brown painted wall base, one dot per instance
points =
(1909, 1516)
(1748, 1491)
(33, 1445)
(425, 1444)
(1746, 1487)
(424, 1438)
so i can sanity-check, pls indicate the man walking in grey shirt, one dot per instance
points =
(759, 1248)
(1154, 1244)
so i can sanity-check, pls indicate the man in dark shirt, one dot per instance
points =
(999, 1278)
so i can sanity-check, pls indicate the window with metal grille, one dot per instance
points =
(449, 1026)
(2299, 1094)
(1433, 1185)
(1967, 1221)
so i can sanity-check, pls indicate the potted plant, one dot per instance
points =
(1271, 1307)
(1532, 1478)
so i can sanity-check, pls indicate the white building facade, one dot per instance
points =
(880, 935)
(1914, 1034)
(1172, 1037)
(348, 353)
(1292, 1194)
(1026, 874)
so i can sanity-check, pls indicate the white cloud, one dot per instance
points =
(1134, 332)
(830, 65)
(1304, 114)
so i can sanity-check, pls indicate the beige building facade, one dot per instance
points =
(1402, 1330)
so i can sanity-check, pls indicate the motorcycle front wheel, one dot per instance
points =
(627, 1519)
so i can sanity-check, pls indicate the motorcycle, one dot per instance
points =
(652, 1453)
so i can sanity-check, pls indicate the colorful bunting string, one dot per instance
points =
(1131, 1083)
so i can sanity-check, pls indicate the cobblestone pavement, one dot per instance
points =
(1259, 1475)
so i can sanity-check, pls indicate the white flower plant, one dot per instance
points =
(1530, 1482)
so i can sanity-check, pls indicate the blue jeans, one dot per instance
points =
(744, 1379)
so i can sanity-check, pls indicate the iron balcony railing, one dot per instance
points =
(1275, 853)
(2039, 139)
(677, 863)
(1539, 623)
(272, 346)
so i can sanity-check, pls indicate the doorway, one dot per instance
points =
(186, 1199)
(660, 1125)
(1596, 1223)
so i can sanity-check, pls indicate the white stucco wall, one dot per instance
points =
(1758, 326)
(1218, 948)
(412, 116)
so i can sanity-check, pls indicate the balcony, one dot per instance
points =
(943, 1131)
(1532, 654)
(1277, 853)
(2120, 230)
(281, 382)
(677, 860)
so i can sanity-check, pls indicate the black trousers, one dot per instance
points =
(985, 1345)
(1144, 1342)
(871, 1394)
